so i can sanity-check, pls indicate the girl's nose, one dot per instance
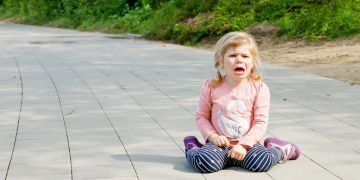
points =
(238, 60)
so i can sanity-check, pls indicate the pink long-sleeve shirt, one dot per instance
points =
(240, 113)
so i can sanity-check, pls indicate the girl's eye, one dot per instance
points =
(244, 56)
(232, 55)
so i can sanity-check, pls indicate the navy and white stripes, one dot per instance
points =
(211, 158)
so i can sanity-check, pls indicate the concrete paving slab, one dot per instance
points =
(96, 107)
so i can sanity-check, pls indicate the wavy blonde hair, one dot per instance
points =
(232, 40)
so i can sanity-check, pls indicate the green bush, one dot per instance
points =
(232, 15)
(161, 21)
(133, 18)
(321, 19)
(190, 31)
(190, 21)
(171, 21)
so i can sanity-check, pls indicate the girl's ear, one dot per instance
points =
(221, 63)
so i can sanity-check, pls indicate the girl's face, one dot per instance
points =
(237, 63)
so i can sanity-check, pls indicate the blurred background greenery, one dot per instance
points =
(191, 21)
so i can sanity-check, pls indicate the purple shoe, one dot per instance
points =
(289, 150)
(191, 142)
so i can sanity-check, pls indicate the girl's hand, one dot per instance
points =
(237, 152)
(220, 141)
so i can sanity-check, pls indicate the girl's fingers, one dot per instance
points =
(222, 142)
(227, 143)
(231, 154)
(236, 155)
(240, 157)
(218, 142)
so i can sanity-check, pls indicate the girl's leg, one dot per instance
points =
(259, 158)
(208, 158)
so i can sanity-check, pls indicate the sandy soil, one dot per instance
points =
(338, 59)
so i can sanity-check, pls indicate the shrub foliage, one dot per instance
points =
(189, 21)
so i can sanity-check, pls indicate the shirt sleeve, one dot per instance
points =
(203, 114)
(260, 117)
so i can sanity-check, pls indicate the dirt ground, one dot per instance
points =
(337, 59)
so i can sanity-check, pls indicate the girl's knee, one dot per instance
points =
(262, 163)
(203, 163)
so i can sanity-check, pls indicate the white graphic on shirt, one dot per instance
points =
(233, 126)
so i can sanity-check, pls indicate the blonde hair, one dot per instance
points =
(231, 40)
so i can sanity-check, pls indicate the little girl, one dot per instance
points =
(233, 113)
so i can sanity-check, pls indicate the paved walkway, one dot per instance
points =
(77, 105)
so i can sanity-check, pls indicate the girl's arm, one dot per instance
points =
(203, 114)
(261, 115)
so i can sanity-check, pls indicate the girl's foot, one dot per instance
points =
(191, 142)
(289, 150)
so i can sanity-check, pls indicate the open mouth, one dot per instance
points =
(239, 69)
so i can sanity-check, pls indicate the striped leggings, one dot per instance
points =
(211, 158)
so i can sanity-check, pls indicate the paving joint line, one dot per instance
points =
(19, 116)
(163, 93)
(321, 97)
(317, 132)
(144, 109)
(313, 109)
(62, 112)
(106, 115)
(310, 157)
